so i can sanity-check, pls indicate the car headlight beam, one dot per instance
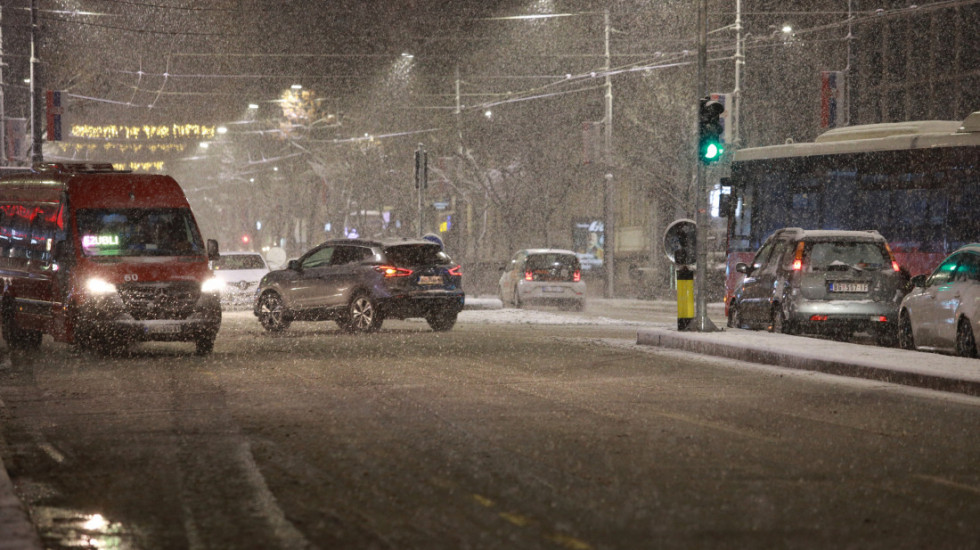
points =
(213, 286)
(99, 287)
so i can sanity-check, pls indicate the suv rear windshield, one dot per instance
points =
(408, 255)
(551, 261)
(828, 256)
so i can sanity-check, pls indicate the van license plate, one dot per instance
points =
(430, 280)
(848, 287)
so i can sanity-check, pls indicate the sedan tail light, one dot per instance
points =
(391, 271)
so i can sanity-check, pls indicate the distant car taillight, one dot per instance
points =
(390, 271)
(577, 276)
(456, 271)
(891, 256)
(798, 258)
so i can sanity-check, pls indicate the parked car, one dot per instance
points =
(830, 282)
(543, 276)
(240, 272)
(942, 312)
(360, 282)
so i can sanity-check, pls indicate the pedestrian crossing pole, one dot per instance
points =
(701, 321)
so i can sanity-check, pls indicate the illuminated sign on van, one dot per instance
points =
(92, 241)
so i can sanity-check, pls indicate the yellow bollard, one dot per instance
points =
(685, 297)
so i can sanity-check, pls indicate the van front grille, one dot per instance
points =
(149, 301)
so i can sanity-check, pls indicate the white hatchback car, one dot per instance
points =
(241, 273)
(543, 276)
(942, 312)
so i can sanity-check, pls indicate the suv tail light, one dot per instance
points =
(456, 271)
(577, 276)
(528, 275)
(390, 271)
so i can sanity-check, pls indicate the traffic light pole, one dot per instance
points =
(701, 321)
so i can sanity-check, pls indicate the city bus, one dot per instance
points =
(916, 183)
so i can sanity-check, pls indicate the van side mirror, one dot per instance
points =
(213, 253)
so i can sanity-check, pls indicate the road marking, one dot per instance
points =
(52, 452)
(569, 542)
(483, 501)
(516, 519)
(949, 483)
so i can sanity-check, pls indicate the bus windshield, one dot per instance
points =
(139, 232)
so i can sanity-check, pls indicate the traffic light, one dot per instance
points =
(710, 144)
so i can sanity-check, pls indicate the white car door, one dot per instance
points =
(931, 313)
(952, 299)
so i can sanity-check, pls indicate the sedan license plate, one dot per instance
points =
(838, 286)
(553, 289)
(429, 280)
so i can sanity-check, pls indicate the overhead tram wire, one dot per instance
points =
(540, 92)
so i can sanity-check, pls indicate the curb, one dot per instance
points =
(882, 370)
(17, 531)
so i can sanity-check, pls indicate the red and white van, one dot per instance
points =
(103, 258)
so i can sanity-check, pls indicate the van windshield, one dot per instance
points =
(139, 232)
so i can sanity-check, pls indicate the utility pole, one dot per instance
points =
(609, 183)
(737, 92)
(701, 321)
(3, 112)
(36, 151)
(421, 181)
(850, 78)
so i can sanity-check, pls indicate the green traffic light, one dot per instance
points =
(713, 151)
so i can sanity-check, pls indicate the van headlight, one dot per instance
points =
(99, 287)
(213, 286)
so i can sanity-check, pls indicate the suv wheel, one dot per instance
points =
(734, 317)
(272, 313)
(441, 321)
(966, 346)
(905, 339)
(362, 314)
(779, 323)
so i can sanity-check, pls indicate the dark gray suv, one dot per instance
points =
(359, 283)
(835, 282)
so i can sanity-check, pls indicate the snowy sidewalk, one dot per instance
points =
(912, 368)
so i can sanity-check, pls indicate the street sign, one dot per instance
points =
(680, 240)
(421, 168)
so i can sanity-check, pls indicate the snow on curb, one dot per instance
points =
(912, 368)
